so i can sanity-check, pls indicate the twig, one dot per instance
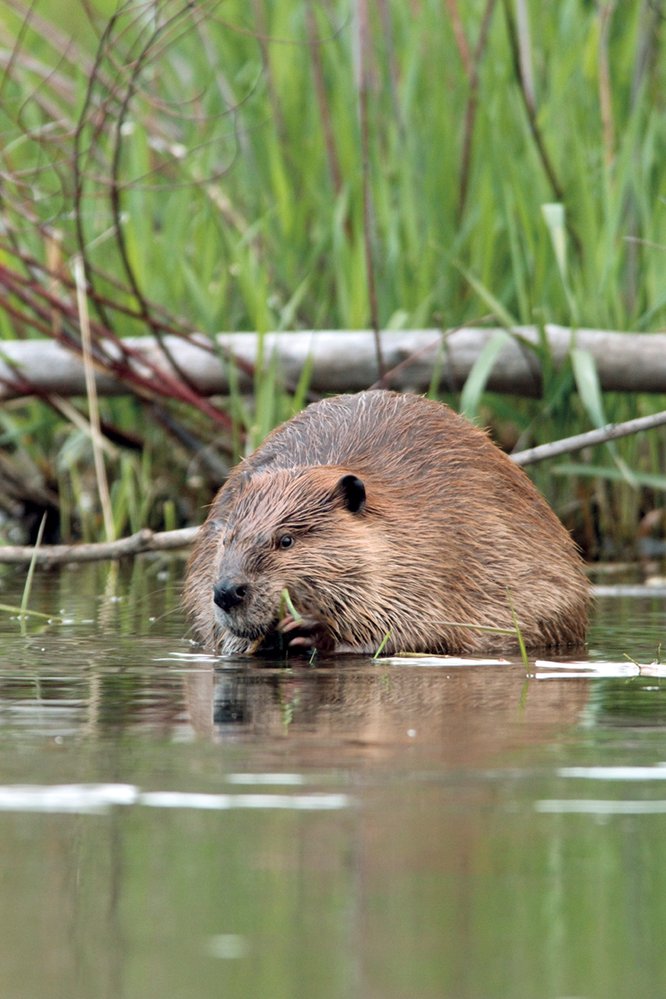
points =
(471, 108)
(602, 435)
(116, 187)
(79, 172)
(146, 378)
(144, 540)
(528, 98)
(426, 348)
(460, 37)
(15, 53)
(530, 106)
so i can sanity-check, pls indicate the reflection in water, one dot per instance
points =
(459, 715)
(174, 826)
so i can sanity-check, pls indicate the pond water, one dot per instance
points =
(173, 827)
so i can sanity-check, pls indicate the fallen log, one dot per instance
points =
(344, 361)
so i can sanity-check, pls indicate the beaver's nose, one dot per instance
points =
(228, 593)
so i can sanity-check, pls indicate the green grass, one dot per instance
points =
(220, 178)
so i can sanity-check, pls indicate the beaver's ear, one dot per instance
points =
(352, 491)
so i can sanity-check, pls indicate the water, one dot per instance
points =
(354, 830)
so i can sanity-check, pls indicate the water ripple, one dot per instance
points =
(98, 799)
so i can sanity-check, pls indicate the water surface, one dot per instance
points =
(171, 826)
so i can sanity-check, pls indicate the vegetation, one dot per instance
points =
(336, 164)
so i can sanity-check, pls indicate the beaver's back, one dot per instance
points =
(376, 431)
(424, 457)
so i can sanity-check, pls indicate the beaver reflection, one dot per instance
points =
(462, 713)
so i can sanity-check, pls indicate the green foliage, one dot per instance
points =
(230, 198)
(209, 163)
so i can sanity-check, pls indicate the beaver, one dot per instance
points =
(392, 522)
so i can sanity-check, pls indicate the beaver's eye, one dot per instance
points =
(286, 541)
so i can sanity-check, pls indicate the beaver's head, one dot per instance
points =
(304, 531)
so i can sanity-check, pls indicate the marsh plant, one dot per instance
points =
(275, 166)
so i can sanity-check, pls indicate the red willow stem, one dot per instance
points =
(531, 113)
(471, 107)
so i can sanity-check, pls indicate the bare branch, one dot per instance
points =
(528, 97)
(144, 540)
(568, 445)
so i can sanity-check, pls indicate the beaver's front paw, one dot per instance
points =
(306, 633)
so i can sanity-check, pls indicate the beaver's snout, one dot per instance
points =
(229, 593)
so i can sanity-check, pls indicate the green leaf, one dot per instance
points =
(554, 218)
(478, 376)
(648, 479)
(501, 314)
(589, 388)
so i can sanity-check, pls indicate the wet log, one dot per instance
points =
(345, 360)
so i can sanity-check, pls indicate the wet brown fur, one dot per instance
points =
(451, 533)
